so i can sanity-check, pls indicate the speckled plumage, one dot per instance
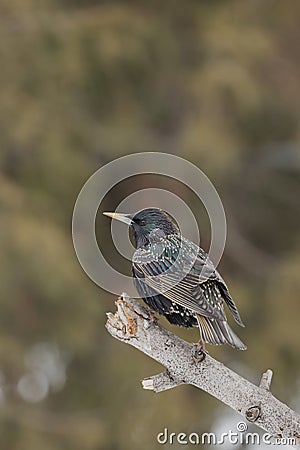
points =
(176, 278)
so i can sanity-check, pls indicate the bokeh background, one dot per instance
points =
(83, 82)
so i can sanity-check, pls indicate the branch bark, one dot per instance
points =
(132, 324)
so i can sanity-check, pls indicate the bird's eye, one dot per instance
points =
(140, 222)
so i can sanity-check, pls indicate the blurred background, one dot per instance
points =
(83, 82)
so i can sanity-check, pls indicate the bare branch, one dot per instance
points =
(266, 379)
(132, 324)
(160, 382)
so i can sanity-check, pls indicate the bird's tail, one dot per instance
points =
(218, 332)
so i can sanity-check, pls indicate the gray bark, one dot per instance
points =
(132, 324)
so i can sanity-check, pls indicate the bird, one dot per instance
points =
(176, 278)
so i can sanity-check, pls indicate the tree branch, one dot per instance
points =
(132, 324)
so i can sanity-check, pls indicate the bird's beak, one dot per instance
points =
(122, 217)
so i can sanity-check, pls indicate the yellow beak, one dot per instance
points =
(122, 217)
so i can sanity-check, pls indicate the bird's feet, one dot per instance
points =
(153, 318)
(199, 352)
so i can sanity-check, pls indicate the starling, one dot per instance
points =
(176, 278)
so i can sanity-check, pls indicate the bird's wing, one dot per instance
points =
(230, 302)
(209, 273)
(168, 270)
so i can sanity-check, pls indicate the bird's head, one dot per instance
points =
(147, 225)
